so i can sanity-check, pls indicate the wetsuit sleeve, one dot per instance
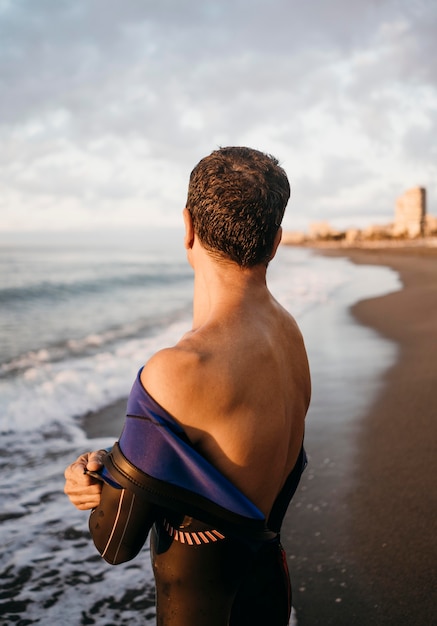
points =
(120, 524)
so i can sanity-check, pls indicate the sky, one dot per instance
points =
(107, 105)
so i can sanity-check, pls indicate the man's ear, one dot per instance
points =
(276, 242)
(189, 229)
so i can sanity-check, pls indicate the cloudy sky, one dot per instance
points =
(106, 105)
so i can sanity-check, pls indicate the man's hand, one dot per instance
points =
(82, 489)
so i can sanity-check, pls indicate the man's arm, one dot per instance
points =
(82, 489)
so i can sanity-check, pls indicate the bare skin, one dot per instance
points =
(238, 382)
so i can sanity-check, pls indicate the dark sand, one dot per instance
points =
(362, 545)
(107, 422)
(361, 532)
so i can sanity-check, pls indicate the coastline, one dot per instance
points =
(375, 537)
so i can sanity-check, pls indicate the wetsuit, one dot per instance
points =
(216, 559)
(206, 577)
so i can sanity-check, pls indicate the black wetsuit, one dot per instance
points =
(206, 577)
(216, 560)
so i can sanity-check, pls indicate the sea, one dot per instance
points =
(79, 315)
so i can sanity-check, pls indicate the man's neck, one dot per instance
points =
(222, 286)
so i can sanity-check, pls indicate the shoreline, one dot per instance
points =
(379, 541)
(397, 453)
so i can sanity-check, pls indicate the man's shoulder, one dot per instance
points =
(170, 376)
(169, 363)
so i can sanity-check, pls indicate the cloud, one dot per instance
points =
(107, 106)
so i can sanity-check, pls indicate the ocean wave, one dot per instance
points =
(89, 344)
(47, 559)
(47, 392)
(162, 277)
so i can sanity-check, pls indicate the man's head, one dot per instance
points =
(236, 199)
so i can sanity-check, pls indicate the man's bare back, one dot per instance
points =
(239, 382)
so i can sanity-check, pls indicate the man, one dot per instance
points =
(238, 384)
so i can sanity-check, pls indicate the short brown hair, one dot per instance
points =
(237, 198)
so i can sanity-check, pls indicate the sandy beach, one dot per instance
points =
(362, 535)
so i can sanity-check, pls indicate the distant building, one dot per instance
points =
(377, 231)
(410, 213)
(323, 230)
(410, 221)
(430, 225)
(353, 235)
(293, 238)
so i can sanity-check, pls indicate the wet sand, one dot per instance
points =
(361, 536)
